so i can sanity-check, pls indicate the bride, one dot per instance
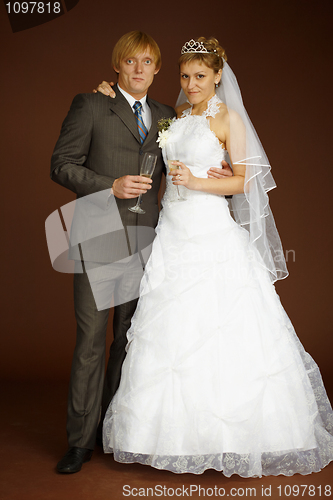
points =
(215, 376)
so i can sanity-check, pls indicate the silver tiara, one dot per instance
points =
(196, 47)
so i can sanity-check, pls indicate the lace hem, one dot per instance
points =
(247, 465)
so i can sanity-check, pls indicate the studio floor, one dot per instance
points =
(33, 439)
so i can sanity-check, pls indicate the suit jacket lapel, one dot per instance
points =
(121, 108)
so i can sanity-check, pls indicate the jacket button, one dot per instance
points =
(141, 152)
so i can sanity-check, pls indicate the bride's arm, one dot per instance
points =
(226, 186)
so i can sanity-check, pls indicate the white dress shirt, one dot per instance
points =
(146, 113)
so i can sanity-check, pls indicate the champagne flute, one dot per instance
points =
(146, 170)
(171, 154)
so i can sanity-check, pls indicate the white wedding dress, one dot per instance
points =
(215, 376)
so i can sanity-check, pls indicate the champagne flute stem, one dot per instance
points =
(138, 203)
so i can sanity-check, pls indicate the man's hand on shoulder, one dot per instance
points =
(131, 186)
(105, 88)
(220, 173)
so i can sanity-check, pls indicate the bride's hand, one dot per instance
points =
(105, 88)
(183, 176)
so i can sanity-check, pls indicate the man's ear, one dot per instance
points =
(156, 71)
(116, 69)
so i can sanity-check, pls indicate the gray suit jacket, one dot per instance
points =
(99, 142)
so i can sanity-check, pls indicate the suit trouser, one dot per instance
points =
(88, 365)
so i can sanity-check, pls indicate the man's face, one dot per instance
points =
(136, 74)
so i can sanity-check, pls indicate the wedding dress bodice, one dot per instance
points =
(192, 142)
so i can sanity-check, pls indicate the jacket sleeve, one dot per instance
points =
(71, 151)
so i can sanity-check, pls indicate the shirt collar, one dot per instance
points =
(131, 100)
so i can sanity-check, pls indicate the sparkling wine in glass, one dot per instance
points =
(146, 170)
(172, 154)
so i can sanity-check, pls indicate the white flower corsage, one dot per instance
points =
(163, 132)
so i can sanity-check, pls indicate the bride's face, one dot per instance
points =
(198, 81)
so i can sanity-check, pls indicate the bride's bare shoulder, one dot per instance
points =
(226, 114)
(179, 110)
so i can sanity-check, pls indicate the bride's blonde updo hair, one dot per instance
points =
(214, 60)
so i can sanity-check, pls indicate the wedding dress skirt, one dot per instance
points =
(215, 376)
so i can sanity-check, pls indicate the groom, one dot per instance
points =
(98, 151)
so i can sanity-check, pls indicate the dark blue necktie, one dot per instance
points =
(138, 116)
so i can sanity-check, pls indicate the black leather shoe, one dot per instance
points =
(73, 460)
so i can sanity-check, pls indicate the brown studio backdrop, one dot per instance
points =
(280, 54)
